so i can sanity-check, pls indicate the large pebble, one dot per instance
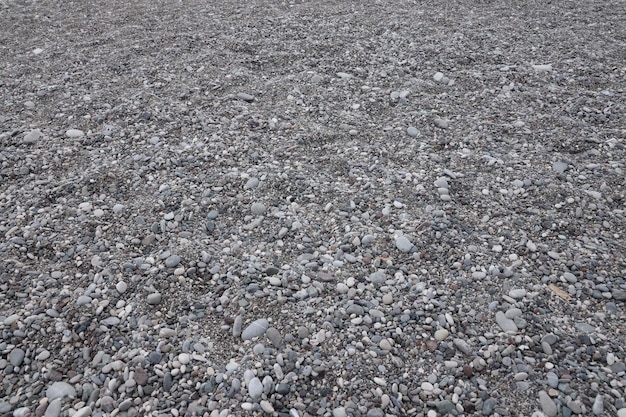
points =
(121, 287)
(32, 136)
(505, 323)
(154, 298)
(59, 390)
(255, 389)
(547, 404)
(404, 244)
(74, 133)
(54, 408)
(16, 356)
(255, 329)
(172, 261)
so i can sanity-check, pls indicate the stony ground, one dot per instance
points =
(325, 208)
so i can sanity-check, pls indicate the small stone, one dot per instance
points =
(74, 133)
(255, 389)
(517, 293)
(16, 356)
(598, 405)
(172, 261)
(83, 300)
(184, 358)
(257, 209)
(404, 244)
(59, 390)
(387, 299)
(252, 183)
(54, 408)
(505, 323)
(274, 337)
(559, 167)
(154, 298)
(547, 404)
(438, 76)
(463, 346)
(621, 412)
(33, 136)
(380, 381)
(442, 123)
(441, 334)
(412, 131)
(255, 329)
(245, 97)
(83, 412)
(267, 406)
(340, 412)
(121, 287)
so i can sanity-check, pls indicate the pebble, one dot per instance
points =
(598, 405)
(621, 412)
(463, 346)
(505, 323)
(16, 356)
(33, 136)
(74, 133)
(154, 298)
(255, 389)
(172, 261)
(251, 184)
(245, 97)
(257, 209)
(83, 412)
(517, 293)
(404, 244)
(255, 329)
(340, 412)
(442, 123)
(54, 408)
(559, 167)
(60, 390)
(547, 404)
(267, 406)
(412, 131)
(441, 334)
(121, 287)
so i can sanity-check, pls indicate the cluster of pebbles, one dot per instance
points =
(312, 209)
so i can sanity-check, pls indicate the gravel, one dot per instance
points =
(312, 208)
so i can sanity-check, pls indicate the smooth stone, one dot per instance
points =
(83, 300)
(412, 131)
(74, 133)
(441, 334)
(340, 412)
(553, 379)
(237, 326)
(121, 287)
(584, 327)
(245, 97)
(54, 408)
(59, 390)
(559, 167)
(267, 406)
(16, 356)
(517, 293)
(172, 261)
(251, 183)
(442, 123)
(547, 404)
(255, 329)
(404, 244)
(355, 309)
(463, 346)
(258, 209)
(154, 298)
(275, 337)
(83, 412)
(375, 412)
(255, 389)
(32, 136)
(621, 412)
(111, 321)
(505, 323)
(184, 358)
(598, 405)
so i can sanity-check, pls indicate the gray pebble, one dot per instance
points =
(255, 389)
(559, 167)
(33, 136)
(412, 131)
(83, 300)
(59, 390)
(598, 405)
(257, 209)
(517, 293)
(16, 356)
(54, 408)
(463, 346)
(547, 404)
(154, 298)
(404, 244)
(245, 97)
(237, 325)
(275, 337)
(505, 323)
(553, 379)
(442, 123)
(355, 309)
(251, 183)
(172, 261)
(255, 329)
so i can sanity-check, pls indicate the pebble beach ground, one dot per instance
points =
(331, 208)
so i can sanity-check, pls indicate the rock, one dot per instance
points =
(121, 287)
(255, 329)
(255, 389)
(74, 133)
(154, 298)
(33, 136)
(60, 390)
(172, 261)
(412, 131)
(54, 408)
(621, 412)
(83, 412)
(275, 337)
(442, 123)
(257, 209)
(340, 412)
(505, 323)
(441, 334)
(404, 244)
(559, 167)
(16, 356)
(517, 293)
(463, 346)
(547, 404)
(598, 405)
(245, 97)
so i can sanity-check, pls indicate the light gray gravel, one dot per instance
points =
(312, 208)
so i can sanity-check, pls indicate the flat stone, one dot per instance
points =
(172, 261)
(60, 390)
(255, 329)
(74, 133)
(404, 244)
(505, 323)
(547, 404)
(16, 356)
(154, 298)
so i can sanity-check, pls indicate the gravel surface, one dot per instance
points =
(329, 208)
